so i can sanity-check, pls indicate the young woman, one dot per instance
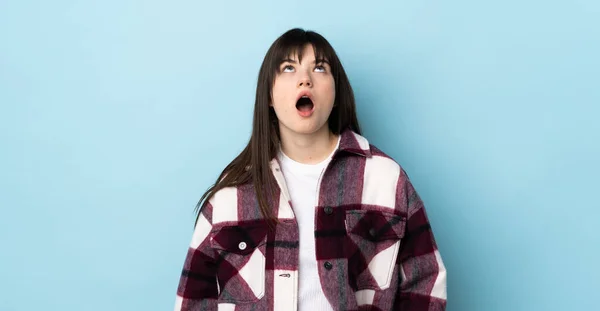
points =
(310, 216)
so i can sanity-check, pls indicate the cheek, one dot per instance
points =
(329, 89)
(279, 93)
(275, 96)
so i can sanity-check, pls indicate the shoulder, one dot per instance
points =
(235, 204)
(376, 161)
(383, 180)
(383, 173)
(224, 205)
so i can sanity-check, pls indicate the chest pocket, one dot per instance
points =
(372, 248)
(241, 260)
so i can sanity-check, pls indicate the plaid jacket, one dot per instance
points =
(374, 244)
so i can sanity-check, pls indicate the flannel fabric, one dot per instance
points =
(374, 245)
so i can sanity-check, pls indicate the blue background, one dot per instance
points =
(117, 115)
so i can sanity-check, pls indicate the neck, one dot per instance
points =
(308, 148)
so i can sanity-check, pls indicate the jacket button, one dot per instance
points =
(242, 246)
(328, 210)
(328, 265)
(372, 232)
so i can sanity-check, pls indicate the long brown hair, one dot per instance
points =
(253, 163)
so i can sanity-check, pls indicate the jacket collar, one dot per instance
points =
(352, 142)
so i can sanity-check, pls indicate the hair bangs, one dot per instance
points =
(291, 46)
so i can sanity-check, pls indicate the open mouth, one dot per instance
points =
(304, 104)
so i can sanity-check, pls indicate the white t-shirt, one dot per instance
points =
(301, 180)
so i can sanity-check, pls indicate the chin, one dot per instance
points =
(306, 129)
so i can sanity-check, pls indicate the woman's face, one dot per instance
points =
(303, 94)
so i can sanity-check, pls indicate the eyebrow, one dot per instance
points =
(317, 61)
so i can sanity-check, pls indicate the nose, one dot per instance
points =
(305, 81)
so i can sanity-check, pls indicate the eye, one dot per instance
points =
(287, 68)
(320, 68)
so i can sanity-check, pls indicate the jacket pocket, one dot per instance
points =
(372, 248)
(241, 261)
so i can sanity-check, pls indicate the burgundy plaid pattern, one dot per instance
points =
(374, 245)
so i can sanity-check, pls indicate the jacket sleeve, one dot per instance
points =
(198, 288)
(422, 273)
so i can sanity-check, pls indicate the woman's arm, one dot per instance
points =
(422, 271)
(198, 287)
